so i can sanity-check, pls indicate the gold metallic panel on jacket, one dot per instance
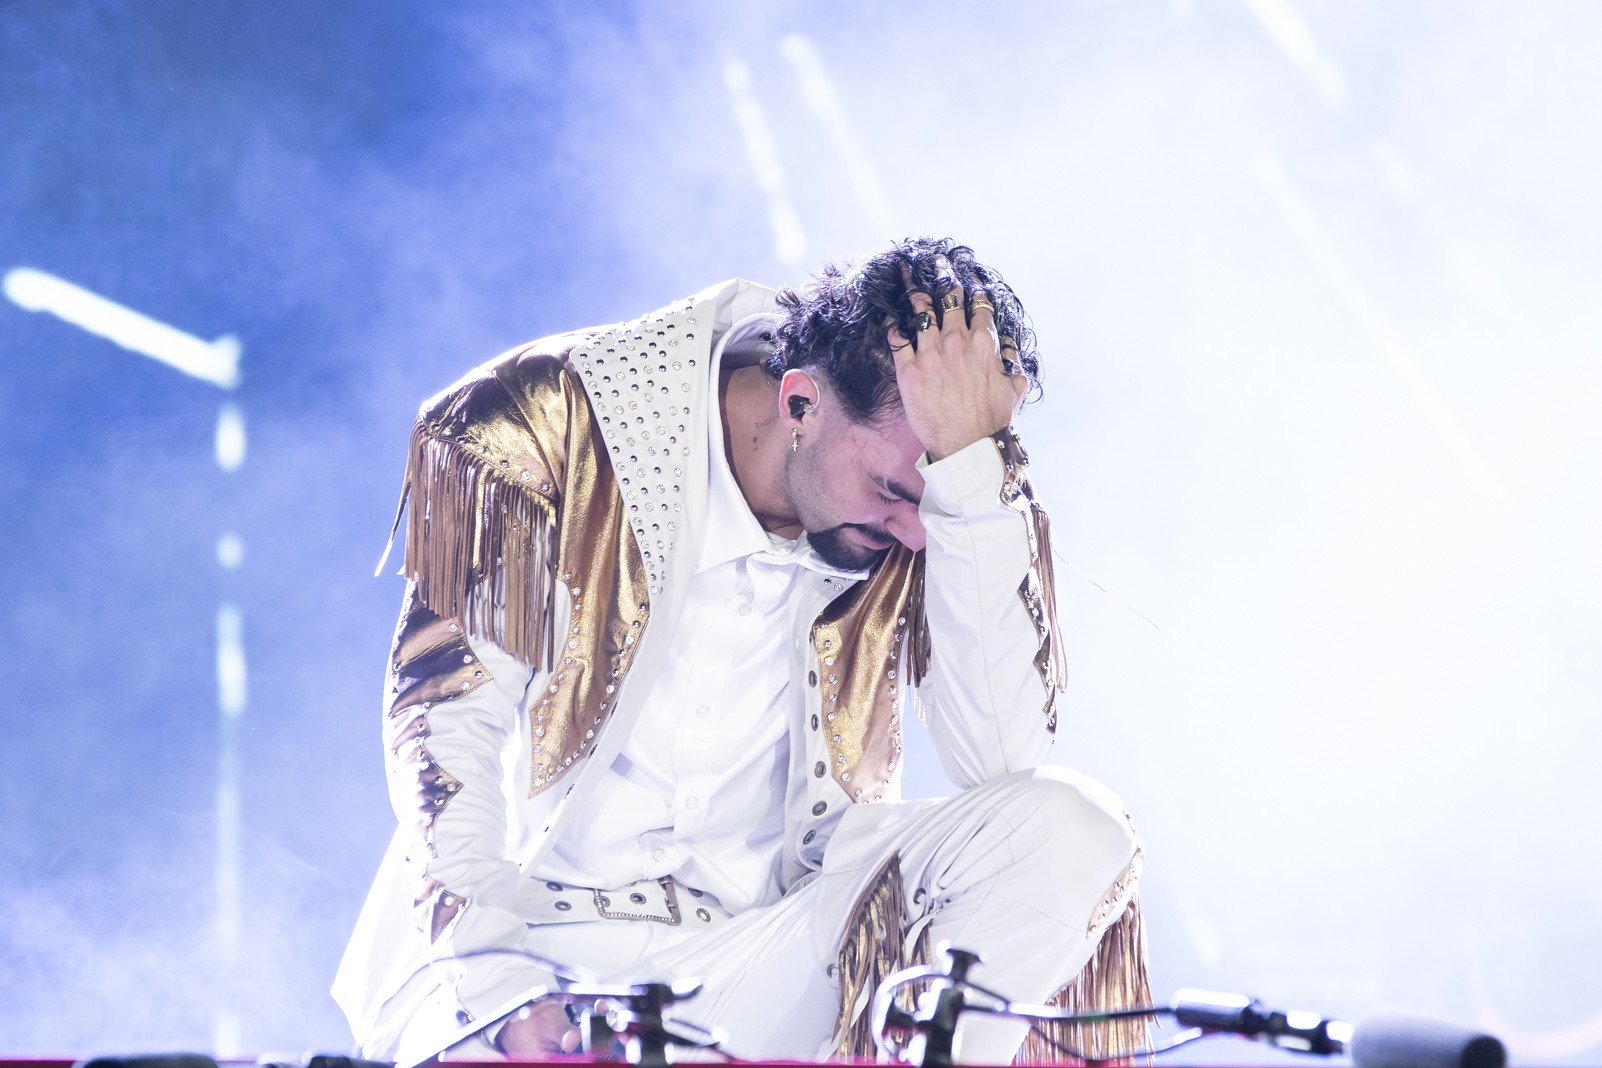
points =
(430, 664)
(511, 504)
(484, 481)
(864, 640)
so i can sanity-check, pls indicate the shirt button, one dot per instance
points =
(812, 678)
(658, 853)
(745, 609)
(691, 803)
(703, 711)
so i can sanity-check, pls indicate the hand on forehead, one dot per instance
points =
(957, 382)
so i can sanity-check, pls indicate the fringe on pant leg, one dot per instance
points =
(1115, 978)
(871, 950)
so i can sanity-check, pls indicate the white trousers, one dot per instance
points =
(1014, 870)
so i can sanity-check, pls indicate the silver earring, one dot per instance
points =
(795, 440)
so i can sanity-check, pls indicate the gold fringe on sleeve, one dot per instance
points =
(481, 497)
(920, 651)
(1039, 587)
(482, 549)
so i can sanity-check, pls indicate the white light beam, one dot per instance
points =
(818, 90)
(229, 441)
(1384, 335)
(216, 361)
(789, 243)
(228, 878)
(1296, 40)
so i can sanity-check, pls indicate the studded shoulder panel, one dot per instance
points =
(646, 381)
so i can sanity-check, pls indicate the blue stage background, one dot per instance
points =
(1316, 286)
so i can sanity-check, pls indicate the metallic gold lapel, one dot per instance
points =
(866, 641)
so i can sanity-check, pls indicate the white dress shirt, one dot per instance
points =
(697, 791)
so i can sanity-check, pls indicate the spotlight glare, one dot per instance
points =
(216, 362)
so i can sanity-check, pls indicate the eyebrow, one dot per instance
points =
(902, 490)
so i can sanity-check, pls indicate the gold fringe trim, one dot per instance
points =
(481, 549)
(1115, 978)
(1039, 587)
(1056, 667)
(919, 652)
(870, 951)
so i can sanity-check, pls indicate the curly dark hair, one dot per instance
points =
(836, 323)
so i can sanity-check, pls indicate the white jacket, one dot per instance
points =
(987, 697)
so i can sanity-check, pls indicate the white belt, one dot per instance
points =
(663, 900)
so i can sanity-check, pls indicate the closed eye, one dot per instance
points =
(892, 491)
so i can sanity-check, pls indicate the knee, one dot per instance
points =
(1074, 829)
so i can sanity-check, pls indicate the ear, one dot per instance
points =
(799, 394)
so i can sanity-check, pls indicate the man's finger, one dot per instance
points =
(923, 315)
(953, 316)
(981, 313)
(901, 350)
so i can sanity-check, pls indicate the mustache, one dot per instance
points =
(873, 530)
(833, 547)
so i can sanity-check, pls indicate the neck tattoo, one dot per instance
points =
(755, 438)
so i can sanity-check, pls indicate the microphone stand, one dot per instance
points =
(933, 1024)
(634, 1019)
(950, 993)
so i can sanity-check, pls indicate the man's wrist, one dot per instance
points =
(965, 482)
(952, 444)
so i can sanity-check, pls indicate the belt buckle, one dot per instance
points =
(670, 896)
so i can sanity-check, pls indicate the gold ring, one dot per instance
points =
(981, 302)
(923, 321)
(950, 302)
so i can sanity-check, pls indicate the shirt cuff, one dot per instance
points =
(967, 480)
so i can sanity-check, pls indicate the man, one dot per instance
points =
(673, 586)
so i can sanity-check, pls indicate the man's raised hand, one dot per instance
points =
(956, 380)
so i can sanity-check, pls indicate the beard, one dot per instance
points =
(832, 547)
(805, 474)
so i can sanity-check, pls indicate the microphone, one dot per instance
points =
(1396, 1040)
(1237, 1014)
(1385, 1040)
